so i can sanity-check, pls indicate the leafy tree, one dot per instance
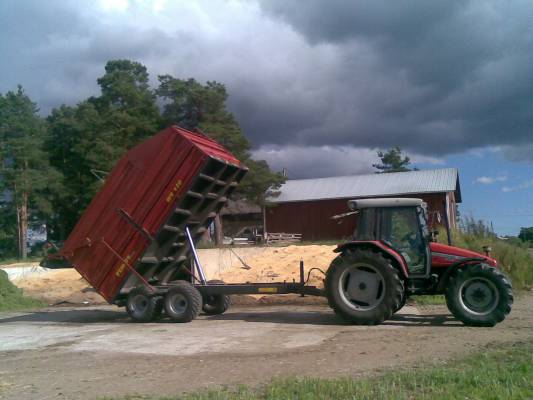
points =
(127, 104)
(526, 234)
(26, 175)
(8, 230)
(393, 161)
(78, 142)
(93, 135)
(195, 106)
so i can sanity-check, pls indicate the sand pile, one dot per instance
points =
(61, 285)
(278, 264)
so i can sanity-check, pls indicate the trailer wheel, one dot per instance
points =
(362, 287)
(142, 307)
(183, 302)
(216, 304)
(479, 295)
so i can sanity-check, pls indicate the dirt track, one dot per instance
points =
(86, 353)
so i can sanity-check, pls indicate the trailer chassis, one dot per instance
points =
(182, 299)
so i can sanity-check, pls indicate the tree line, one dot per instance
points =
(48, 165)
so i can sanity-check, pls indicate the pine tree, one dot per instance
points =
(193, 105)
(25, 176)
(393, 161)
(93, 135)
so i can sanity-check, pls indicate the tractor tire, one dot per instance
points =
(182, 302)
(216, 304)
(479, 295)
(363, 287)
(142, 307)
(402, 301)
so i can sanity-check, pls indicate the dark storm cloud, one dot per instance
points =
(57, 49)
(459, 73)
(307, 79)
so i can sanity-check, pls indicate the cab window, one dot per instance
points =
(399, 227)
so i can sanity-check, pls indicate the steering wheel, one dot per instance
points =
(412, 238)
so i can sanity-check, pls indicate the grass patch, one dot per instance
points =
(12, 298)
(428, 300)
(501, 373)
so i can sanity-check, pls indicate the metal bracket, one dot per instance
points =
(195, 255)
(127, 264)
(124, 214)
(100, 175)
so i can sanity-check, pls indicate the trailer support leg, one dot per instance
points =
(195, 255)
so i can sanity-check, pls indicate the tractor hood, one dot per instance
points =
(444, 255)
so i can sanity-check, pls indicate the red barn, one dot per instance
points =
(306, 205)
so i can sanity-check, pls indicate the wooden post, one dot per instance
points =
(263, 209)
(219, 235)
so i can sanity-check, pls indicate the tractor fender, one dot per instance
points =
(379, 246)
(454, 267)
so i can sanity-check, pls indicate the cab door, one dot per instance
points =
(401, 229)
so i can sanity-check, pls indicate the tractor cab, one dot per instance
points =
(399, 223)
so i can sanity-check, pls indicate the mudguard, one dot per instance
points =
(379, 246)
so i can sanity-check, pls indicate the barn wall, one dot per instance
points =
(310, 218)
(313, 218)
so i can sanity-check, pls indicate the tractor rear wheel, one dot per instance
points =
(479, 295)
(216, 304)
(403, 300)
(182, 302)
(142, 307)
(363, 287)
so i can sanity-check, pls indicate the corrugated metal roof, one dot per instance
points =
(373, 185)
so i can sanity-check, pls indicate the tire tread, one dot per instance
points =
(357, 317)
(502, 284)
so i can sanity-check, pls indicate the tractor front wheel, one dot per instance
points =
(363, 287)
(479, 295)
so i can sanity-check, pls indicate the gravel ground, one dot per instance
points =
(84, 353)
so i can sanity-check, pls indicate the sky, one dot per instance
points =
(317, 86)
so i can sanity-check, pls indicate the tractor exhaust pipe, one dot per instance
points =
(447, 223)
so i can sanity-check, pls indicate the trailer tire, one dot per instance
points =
(479, 295)
(216, 304)
(363, 287)
(141, 306)
(182, 302)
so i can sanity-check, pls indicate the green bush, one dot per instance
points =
(11, 297)
(514, 258)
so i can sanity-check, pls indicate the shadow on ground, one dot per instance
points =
(325, 317)
(73, 316)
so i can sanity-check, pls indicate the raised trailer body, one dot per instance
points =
(133, 232)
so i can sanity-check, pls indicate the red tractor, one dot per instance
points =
(393, 256)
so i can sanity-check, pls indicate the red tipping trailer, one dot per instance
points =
(133, 232)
